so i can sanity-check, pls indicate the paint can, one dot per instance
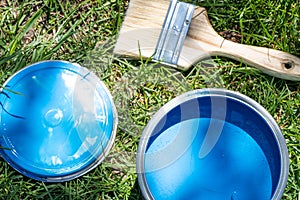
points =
(58, 121)
(212, 144)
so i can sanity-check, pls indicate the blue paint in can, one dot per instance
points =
(229, 169)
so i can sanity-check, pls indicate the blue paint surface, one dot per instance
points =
(235, 168)
(56, 120)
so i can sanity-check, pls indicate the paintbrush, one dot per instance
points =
(180, 34)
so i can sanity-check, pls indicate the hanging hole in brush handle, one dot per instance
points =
(288, 65)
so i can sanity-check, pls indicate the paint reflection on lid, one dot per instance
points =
(58, 121)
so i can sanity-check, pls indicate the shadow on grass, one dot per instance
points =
(136, 193)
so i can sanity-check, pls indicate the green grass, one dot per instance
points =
(32, 31)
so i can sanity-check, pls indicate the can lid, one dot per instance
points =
(58, 121)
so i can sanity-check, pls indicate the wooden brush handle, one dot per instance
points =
(202, 41)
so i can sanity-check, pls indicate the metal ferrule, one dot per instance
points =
(174, 32)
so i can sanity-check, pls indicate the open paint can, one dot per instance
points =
(58, 121)
(212, 144)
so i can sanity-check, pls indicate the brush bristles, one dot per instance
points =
(141, 28)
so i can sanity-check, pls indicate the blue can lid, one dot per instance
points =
(57, 121)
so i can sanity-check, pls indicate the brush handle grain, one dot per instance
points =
(203, 38)
(141, 29)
